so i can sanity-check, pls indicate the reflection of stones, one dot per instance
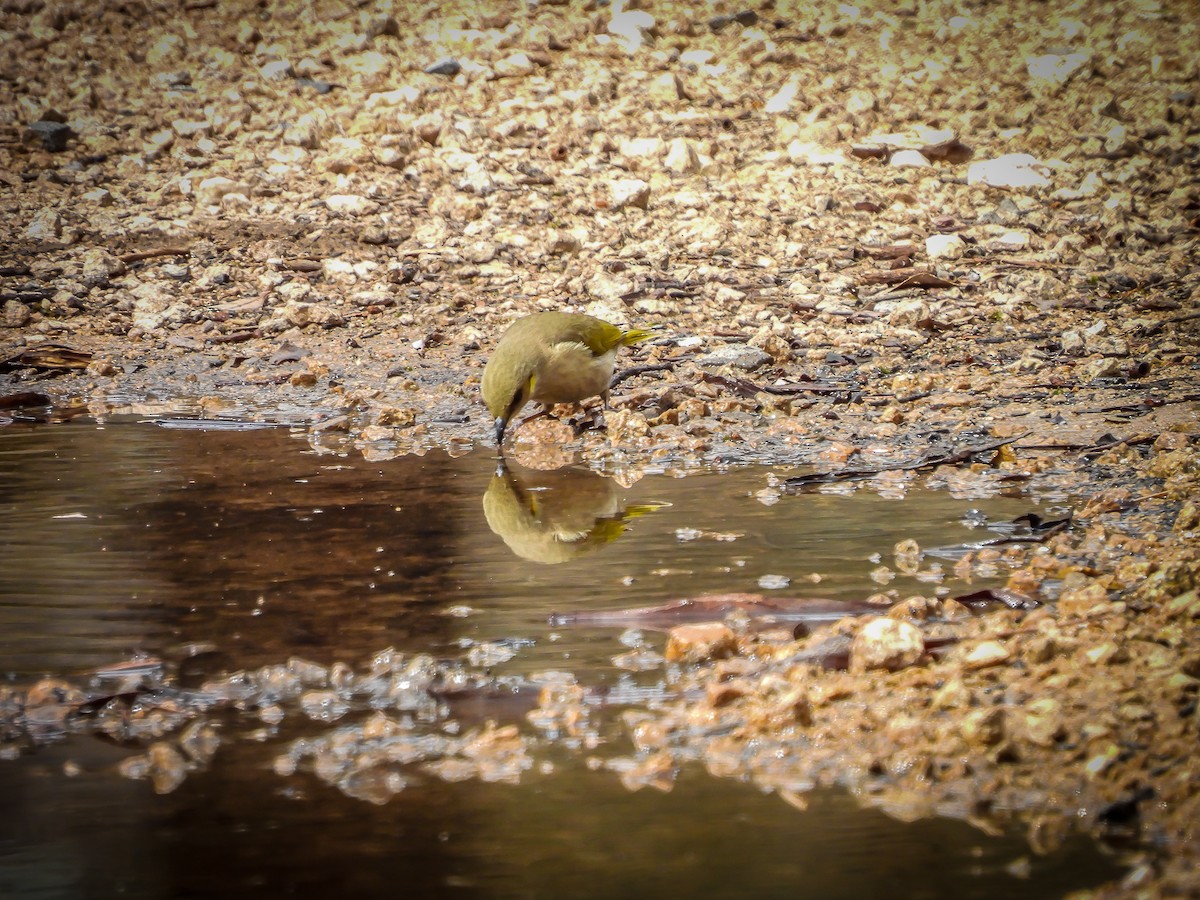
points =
(552, 517)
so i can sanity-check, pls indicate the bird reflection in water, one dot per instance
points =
(553, 516)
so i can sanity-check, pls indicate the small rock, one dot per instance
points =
(884, 643)
(910, 159)
(303, 314)
(1041, 721)
(629, 192)
(1081, 601)
(446, 66)
(1011, 241)
(155, 307)
(277, 70)
(187, 128)
(99, 196)
(988, 653)
(513, 66)
(1013, 170)
(700, 642)
(323, 706)
(945, 246)
(1104, 367)
(46, 225)
(983, 727)
(1052, 71)
(16, 314)
(626, 426)
(480, 252)
(211, 191)
(783, 99)
(738, 356)
(682, 158)
(666, 88)
(99, 266)
(168, 768)
(639, 150)
(562, 242)
(1071, 343)
(53, 136)
(909, 313)
(350, 204)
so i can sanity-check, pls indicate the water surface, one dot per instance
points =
(130, 537)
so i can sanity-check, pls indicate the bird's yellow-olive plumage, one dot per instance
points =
(552, 357)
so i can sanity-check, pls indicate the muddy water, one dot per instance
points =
(129, 537)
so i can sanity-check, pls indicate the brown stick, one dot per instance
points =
(139, 255)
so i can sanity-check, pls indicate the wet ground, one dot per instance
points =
(220, 547)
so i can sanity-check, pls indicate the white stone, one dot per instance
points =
(629, 192)
(210, 191)
(1012, 170)
(945, 246)
(682, 157)
(910, 159)
(276, 70)
(804, 153)
(513, 66)
(350, 204)
(784, 98)
(47, 225)
(627, 28)
(1013, 240)
(402, 96)
(642, 148)
(1053, 70)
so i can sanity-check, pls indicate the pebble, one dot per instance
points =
(350, 204)
(446, 66)
(155, 307)
(277, 70)
(513, 66)
(99, 266)
(1012, 170)
(1054, 70)
(16, 314)
(945, 246)
(212, 190)
(682, 158)
(53, 136)
(46, 225)
(985, 654)
(984, 727)
(743, 357)
(910, 159)
(700, 642)
(884, 643)
(629, 192)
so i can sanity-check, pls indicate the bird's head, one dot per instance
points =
(508, 383)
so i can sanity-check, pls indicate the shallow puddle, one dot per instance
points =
(132, 537)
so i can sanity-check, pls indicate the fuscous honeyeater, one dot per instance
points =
(552, 357)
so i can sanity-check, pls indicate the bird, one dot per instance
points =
(552, 357)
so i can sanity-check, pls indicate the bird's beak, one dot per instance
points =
(500, 423)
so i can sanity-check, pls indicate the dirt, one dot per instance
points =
(338, 211)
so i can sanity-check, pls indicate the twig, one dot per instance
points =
(139, 255)
(640, 370)
(929, 462)
(905, 277)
